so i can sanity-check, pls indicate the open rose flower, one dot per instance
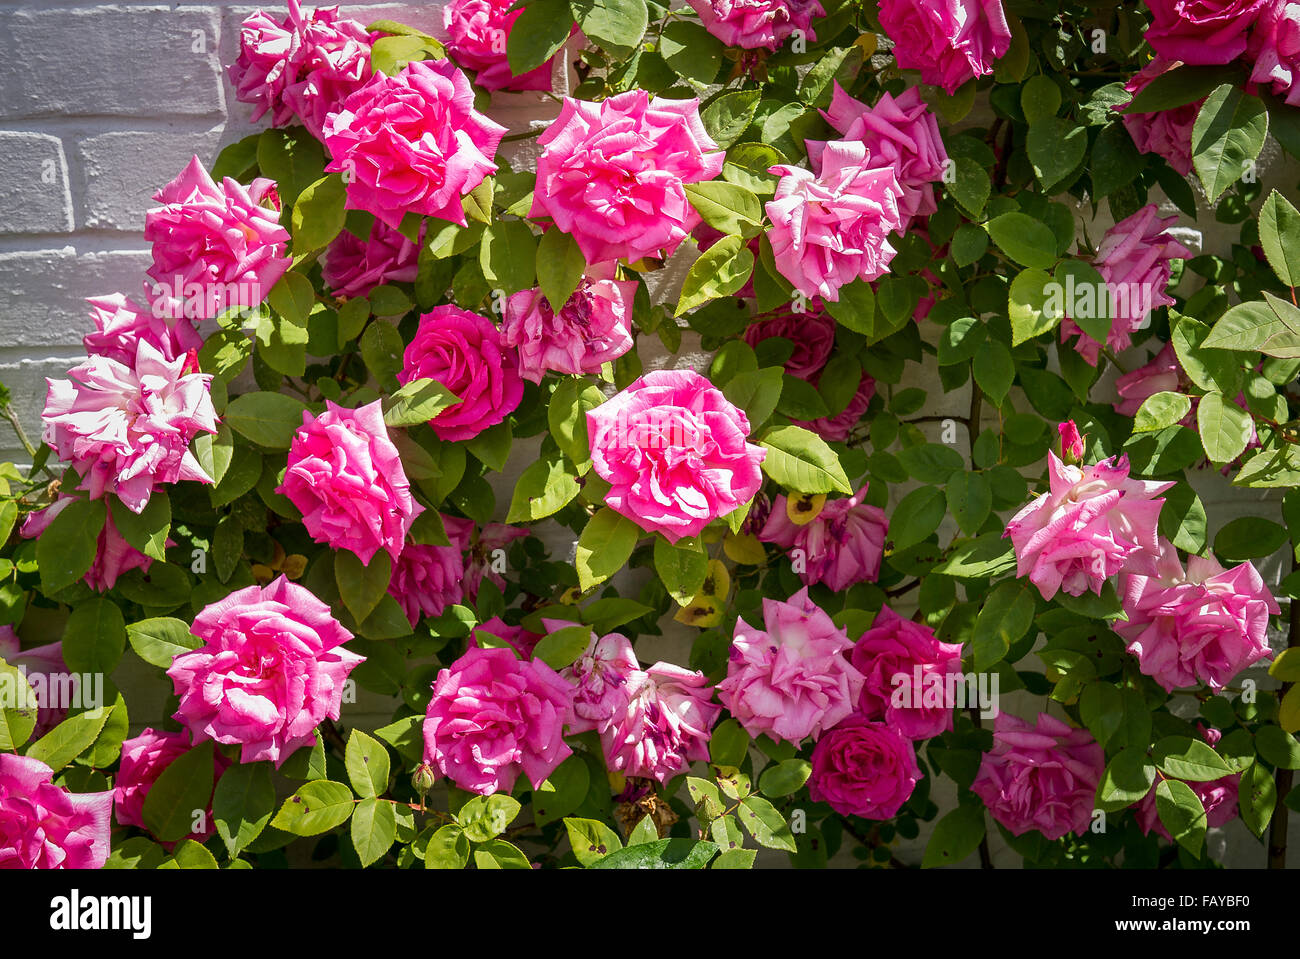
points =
(144, 758)
(427, 579)
(600, 678)
(757, 24)
(113, 554)
(863, 768)
(354, 267)
(1201, 31)
(949, 41)
(1275, 49)
(613, 174)
(517, 638)
(43, 826)
(664, 723)
(478, 31)
(271, 668)
(1163, 374)
(811, 334)
(674, 451)
(842, 545)
(1166, 133)
(412, 143)
(120, 324)
(346, 477)
(892, 656)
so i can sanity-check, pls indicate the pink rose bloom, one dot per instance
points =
(1162, 375)
(863, 768)
(464, 352)
(40, 666)
(494, 716)
(1166, 133)
(839, 426)
(271, 668)
(613, 174)
(428, 579)
(120, 325)
(1093, 522)
(303, 66)
(144, 759)
(1040, 776)
(1202, 625)
(664, 725)
(1275, 48)
(793, 680)
(520, 640)
(113, 554)
(412, 143)
(346, 477)
(832, 228)
(214, 247)
(353, 267)
(127, 431)
(478, 31)
(812, 333)
(1201, 31)
(841, 546)
(43, 826)
(757, 24)
(601, 679)
(594, 327)
(892, 655)
(1072, 448)
(949, 41)
(674, 451)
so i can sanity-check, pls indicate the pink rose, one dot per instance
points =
(1162, 375)
(1092, 523)
(892, 656)
(464, 352)
(478, 31)
(811, 333)
(1201, 31)
(1071, 442)
(271, 668)
(793, 680)
(613, 174)
(664, 725)
(1166, 133)
(1218, 796)
(41, 666)
(494, 716)
(863, 768)
(832, 228)
(120, 325)
(757, 24)
(674, 451)
(428, 579)
(43, 826)
(841, 546)
(519, 639)
(600, 679)
(346, 476)
(1275, 48)
(128, 430)
(412, 143)
(353, 267)
(949, 41)
(144, 759)
(1040, 776)
(838, 426)
(214, 247)
(113, 554)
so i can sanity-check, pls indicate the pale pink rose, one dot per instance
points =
(412, 143)
(478, 31)
(1163, 374)
(144, 758)
(354, 267)
(271, 668)
(906, 670)
(674, 451)
(43, 826)
(1201, 31)
(113, 554)
(214, 247)
(428, 579)
(120, 324)
(793, 679)
(1071, 442)
(492, 717)
(594, 327)
(840, 425)
(41, 666)
(949, 41)
(812, 334)
(1166, 133)
(1040, 776)
(128, 430)
(600, 678)
(865, 769)
(757, 24)
(665, 724)
(613, 174)
(832, 228)
(1275, 49)
(519, 639)
(841, 546)
(464, 352)
(346, 477)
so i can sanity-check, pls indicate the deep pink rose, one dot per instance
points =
(674, 450)
(144, 758)
(113, 554)
(613, 174)
(43, 826)
(494, 716)
(600, 678)
(1040, 776)
(841, 546)
(214, 247)
(1071, 442)
(664, 724)
(1275, 49)
(892, 655)
(1163, 374)
(127, 430)
(464, 352)
(757, 24)
(412, 143)
(354, 267)
(794, 679)
(519, 639)
(42, 667)
(428, 579)
(863, 768)
(271, 668)
(478, 31)
(1201, 31)
(949, 41)
(838, 426)
(346, 477)
(1166, 133)
(812, 334)
(120, 324)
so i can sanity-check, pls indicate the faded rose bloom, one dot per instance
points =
(600, 678)
(144, 758)
(863, 768)
(757, 24)
(478, 31)
(841, 546)
(428, 579)
(812, 334)
(1040, 776)
(43, 826)
(1201, 31)
(40, 666)
(353, 267)
(113, 554)
(120, 324)
(664, 725)
(1163, 374)
(840, 425)
(949, 41)
(519, 639)
(891, 655)
(1166, 133)
(1275, 49)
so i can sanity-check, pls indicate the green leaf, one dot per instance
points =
(147, 530)
(802, 462)
(1115, 161)
(189, 854)
(317, 807)
(1127, 779)
(1271, 327)
(268, 419)
(616, 25)
(729, 744)
(1056, 148)
(988, 555)
(68, 547)
(1224, 426)
(70, 738)
(159, 640)
(1027, 241)
(486, 817)
(541, 30)
(955, 836)
(94, 637)
(560, 267)
(1279, 235)
(970, 500)
(660, 854)
(18, 708)
(726, 207)
(563, 646)
(566, 415)
(591, 840)
(1256, 797)
(856, 307)
(1181, 812)
(418, 402)
(447, 849)
(499, 854)
(785, 777)
(1277, 746)
(692, 52)
(757, 392)
(184, 788)
(508, 255)
(1005, 616)
(1176, 88)
(1161, 410)
(563, 791)
(546, 486)
(682, 567)
(243, 804)
(1185, 758)
(917, 515)
(728, 116)
(381, 349)
(367, 763)
(373, 829)
(720, 271)
(994, 370)
(362, 586)
(1101, 707)
(762, 821)
(319, 214)
(604, 546)
(1248, 537)
(1228, 134)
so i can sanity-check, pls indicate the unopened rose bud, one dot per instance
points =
(422, 780)
(1071, 443)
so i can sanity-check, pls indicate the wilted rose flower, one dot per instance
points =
(113, 554)
(613, 174)
(664, 725)
(892, 655)
(600, 678)
(346, 476)
(949, 41)
(1040, 776)
(214, 247)
(40, 666)
(464, 352)
(841, 546)
(1201, 31)
(127, 430)
(1166, 133)
(519, 639)
(120, 324)
(1163, 374)
(832, 228)
(1275, 49)
(493, 716)
(144, 758)
(271, 668)
(811, 333)
(793, 680)
(478, 31)
(428, 579)
(674, 450)
(863, 768)
(838, 426)
(354, 267)
(43, 826)
(412, 143)
(757, 24)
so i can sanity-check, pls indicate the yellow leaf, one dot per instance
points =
(804, 507)
(745, 550)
